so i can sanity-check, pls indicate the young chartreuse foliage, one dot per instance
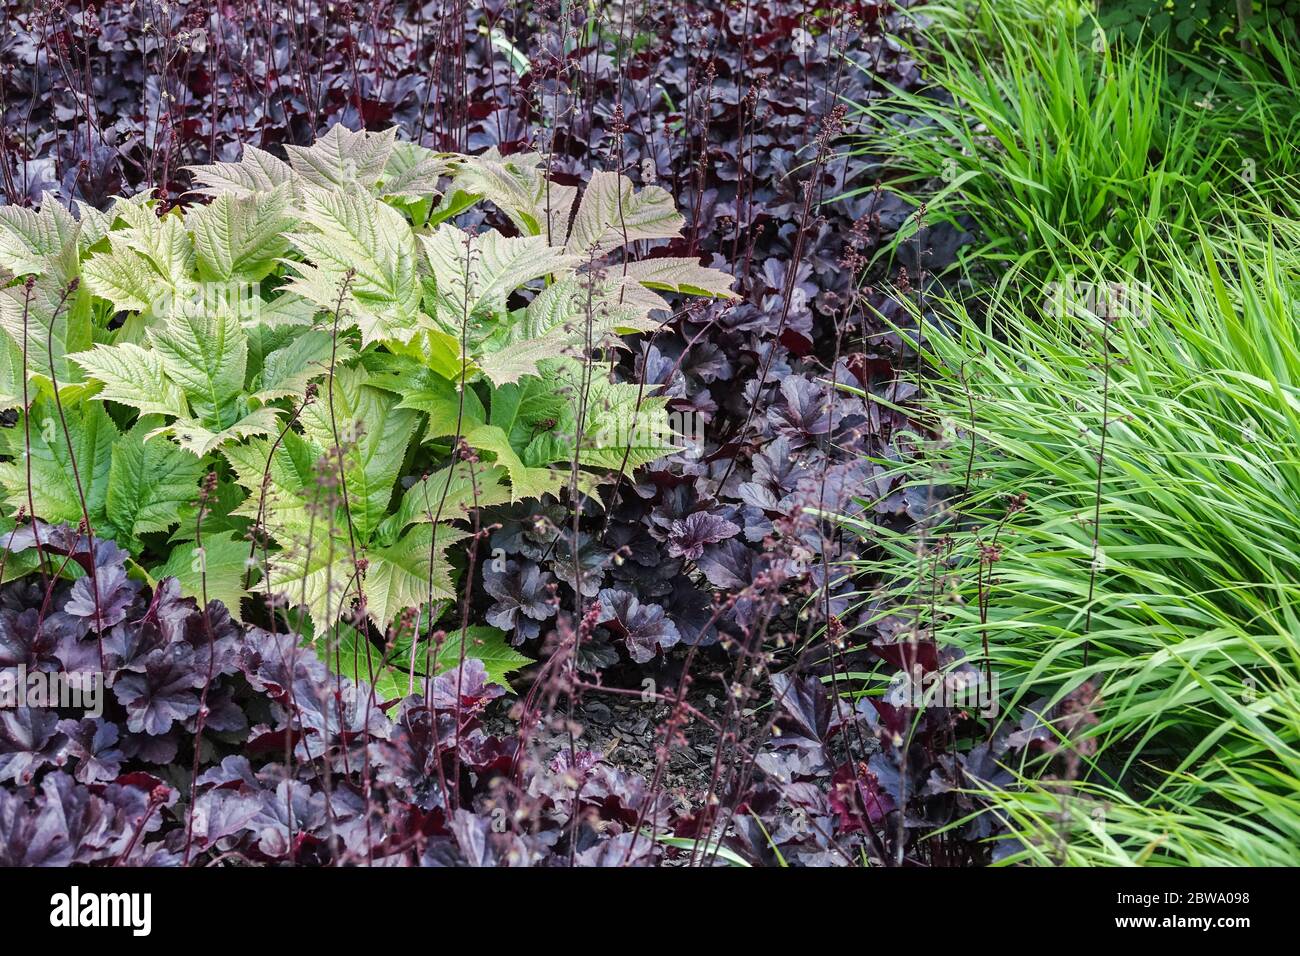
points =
(317, 330)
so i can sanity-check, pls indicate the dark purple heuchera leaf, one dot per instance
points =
(345, 717)
(102, 821)
(92, 744)
(115, 593)
(617, 797)
(29, 740)
(593, 560)
(291, 808)
(529, 530)
(633, 542)
(221, 816)
(274, 662)
(805, 707)
(645, 627)
(857, 797)
(475, 842)
(93, 812)
(626, 849)
(564, 776)
(777, 474)
(161, 688)
(785, 764)
(225, 713)
(467, 684)
(708, 362)
(689, 535)
(839, 489)
(674, 505)
(524, 598)
(23, 639)
(409, 760)
(66, 823)
(473, 837)
(624, 797)
(65, 539)
(690, 610)
(308, 699)
(32, 836)
(233, 771)
(171, 618)
(596, 653)
(149, 749)
(728, 565)
(802, 414)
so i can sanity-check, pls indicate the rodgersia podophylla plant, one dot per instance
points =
(316, 332)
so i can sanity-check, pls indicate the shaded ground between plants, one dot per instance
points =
(626, 731)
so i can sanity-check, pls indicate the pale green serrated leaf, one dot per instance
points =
(216, 570)
(195, 437)
(525, 481)
(342, 157)
(241, 238)
(569, 318)
(584, 309)
(513, 362)
(401, 576)
(612, 213)
(124, 279)
(206, 354)
(452, 205)
(287, 370)
(622, 427)
(354, 233)
(373, 434)
(480, 642)
(392, 678)
(257, 171)
(440, 400)
(133, 376)
(517, 186)
(94, 224)
(262, 341)
(15, 564)
(160, 245)
(319, 576)
(54, 479)
(286, 463)
(50, 319)
(487, 644)
(29, 239)
(522, 410)
(413, 172)
(478, 273)
(286, 309)
(11, 375)
(277, 475)
(448, 495)
(149, 483)
(681, 275)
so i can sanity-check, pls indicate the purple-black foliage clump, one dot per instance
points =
(295, 764)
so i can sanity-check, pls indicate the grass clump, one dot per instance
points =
(1151, 443)
(1048, 145)
(1109, 422)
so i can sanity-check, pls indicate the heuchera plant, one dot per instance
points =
(315, 332)
(294, 765)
